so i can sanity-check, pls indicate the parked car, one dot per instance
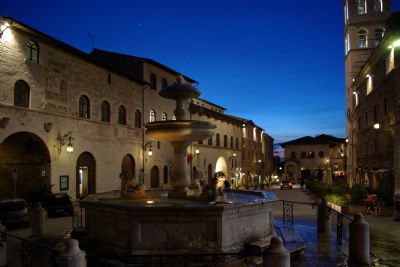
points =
(286, 184)
(14, 212)
(58, 204)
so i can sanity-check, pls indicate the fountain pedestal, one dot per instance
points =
(179, 180)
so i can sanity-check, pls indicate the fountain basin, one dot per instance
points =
(179, 131)
(118, 226)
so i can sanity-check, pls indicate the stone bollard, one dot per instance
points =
(323, 217)
(73, 256)
(359, 242)
(3, 246)
(276, 255)
(38, 220)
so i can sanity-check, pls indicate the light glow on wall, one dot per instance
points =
(396, 43)
(221, 166)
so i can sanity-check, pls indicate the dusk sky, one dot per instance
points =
(278, 63)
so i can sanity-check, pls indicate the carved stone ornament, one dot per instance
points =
(3, 122)
(47, 126)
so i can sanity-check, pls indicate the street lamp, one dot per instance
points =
(149, 151)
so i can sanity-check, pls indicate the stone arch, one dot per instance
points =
(25, 165)
(292, 170)
(155, 177)
(85, 175)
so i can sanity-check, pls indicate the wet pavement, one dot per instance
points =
(322, 250)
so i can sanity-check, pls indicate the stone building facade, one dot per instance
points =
(364, 27)
(375, 115)
(321, 157)
(55, 97)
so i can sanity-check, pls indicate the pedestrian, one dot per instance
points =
(301, 183)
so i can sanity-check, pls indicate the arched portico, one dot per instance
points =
(221, 166)
(25, 165)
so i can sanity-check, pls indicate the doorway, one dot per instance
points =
(85, 175)
(155, 177)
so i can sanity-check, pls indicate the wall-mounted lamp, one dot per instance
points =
(4, 26)
(66, 139)
(197, 151)
(148, 145)
(377, 125)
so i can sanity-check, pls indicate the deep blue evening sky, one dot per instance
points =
(279, 63)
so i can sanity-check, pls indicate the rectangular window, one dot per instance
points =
(366, 119)
(359, 123)
(375, 114)
(390, 61)
(109, 78)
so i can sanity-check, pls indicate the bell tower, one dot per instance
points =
(364, 27)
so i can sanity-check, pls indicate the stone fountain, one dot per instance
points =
(180, 133)
(154, 224)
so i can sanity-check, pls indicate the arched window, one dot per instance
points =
(163, 116)
(362, 39)
(347, 44)
(311, 154)
(361, 7)
(293, 155)
(378, 35)
(32, 51)
(21, 94)
(225, 140)
(165, 174)
(84, 107)
(321, 154)
(138, 119)
(237, 143)
(217, 141)
(105, 111)
(200, 142)
(164, 83)
(231, 141)
(152, 116)
(122, 115)
(210, 141)
(153, 81)
(377, 6)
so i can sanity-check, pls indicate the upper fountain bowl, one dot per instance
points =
(179, 90)
(183, 130)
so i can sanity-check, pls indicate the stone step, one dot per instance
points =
(259, 245)
(292, 241)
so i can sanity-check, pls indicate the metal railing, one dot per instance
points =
(78, 217)
(30, 253)
(288, 217)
